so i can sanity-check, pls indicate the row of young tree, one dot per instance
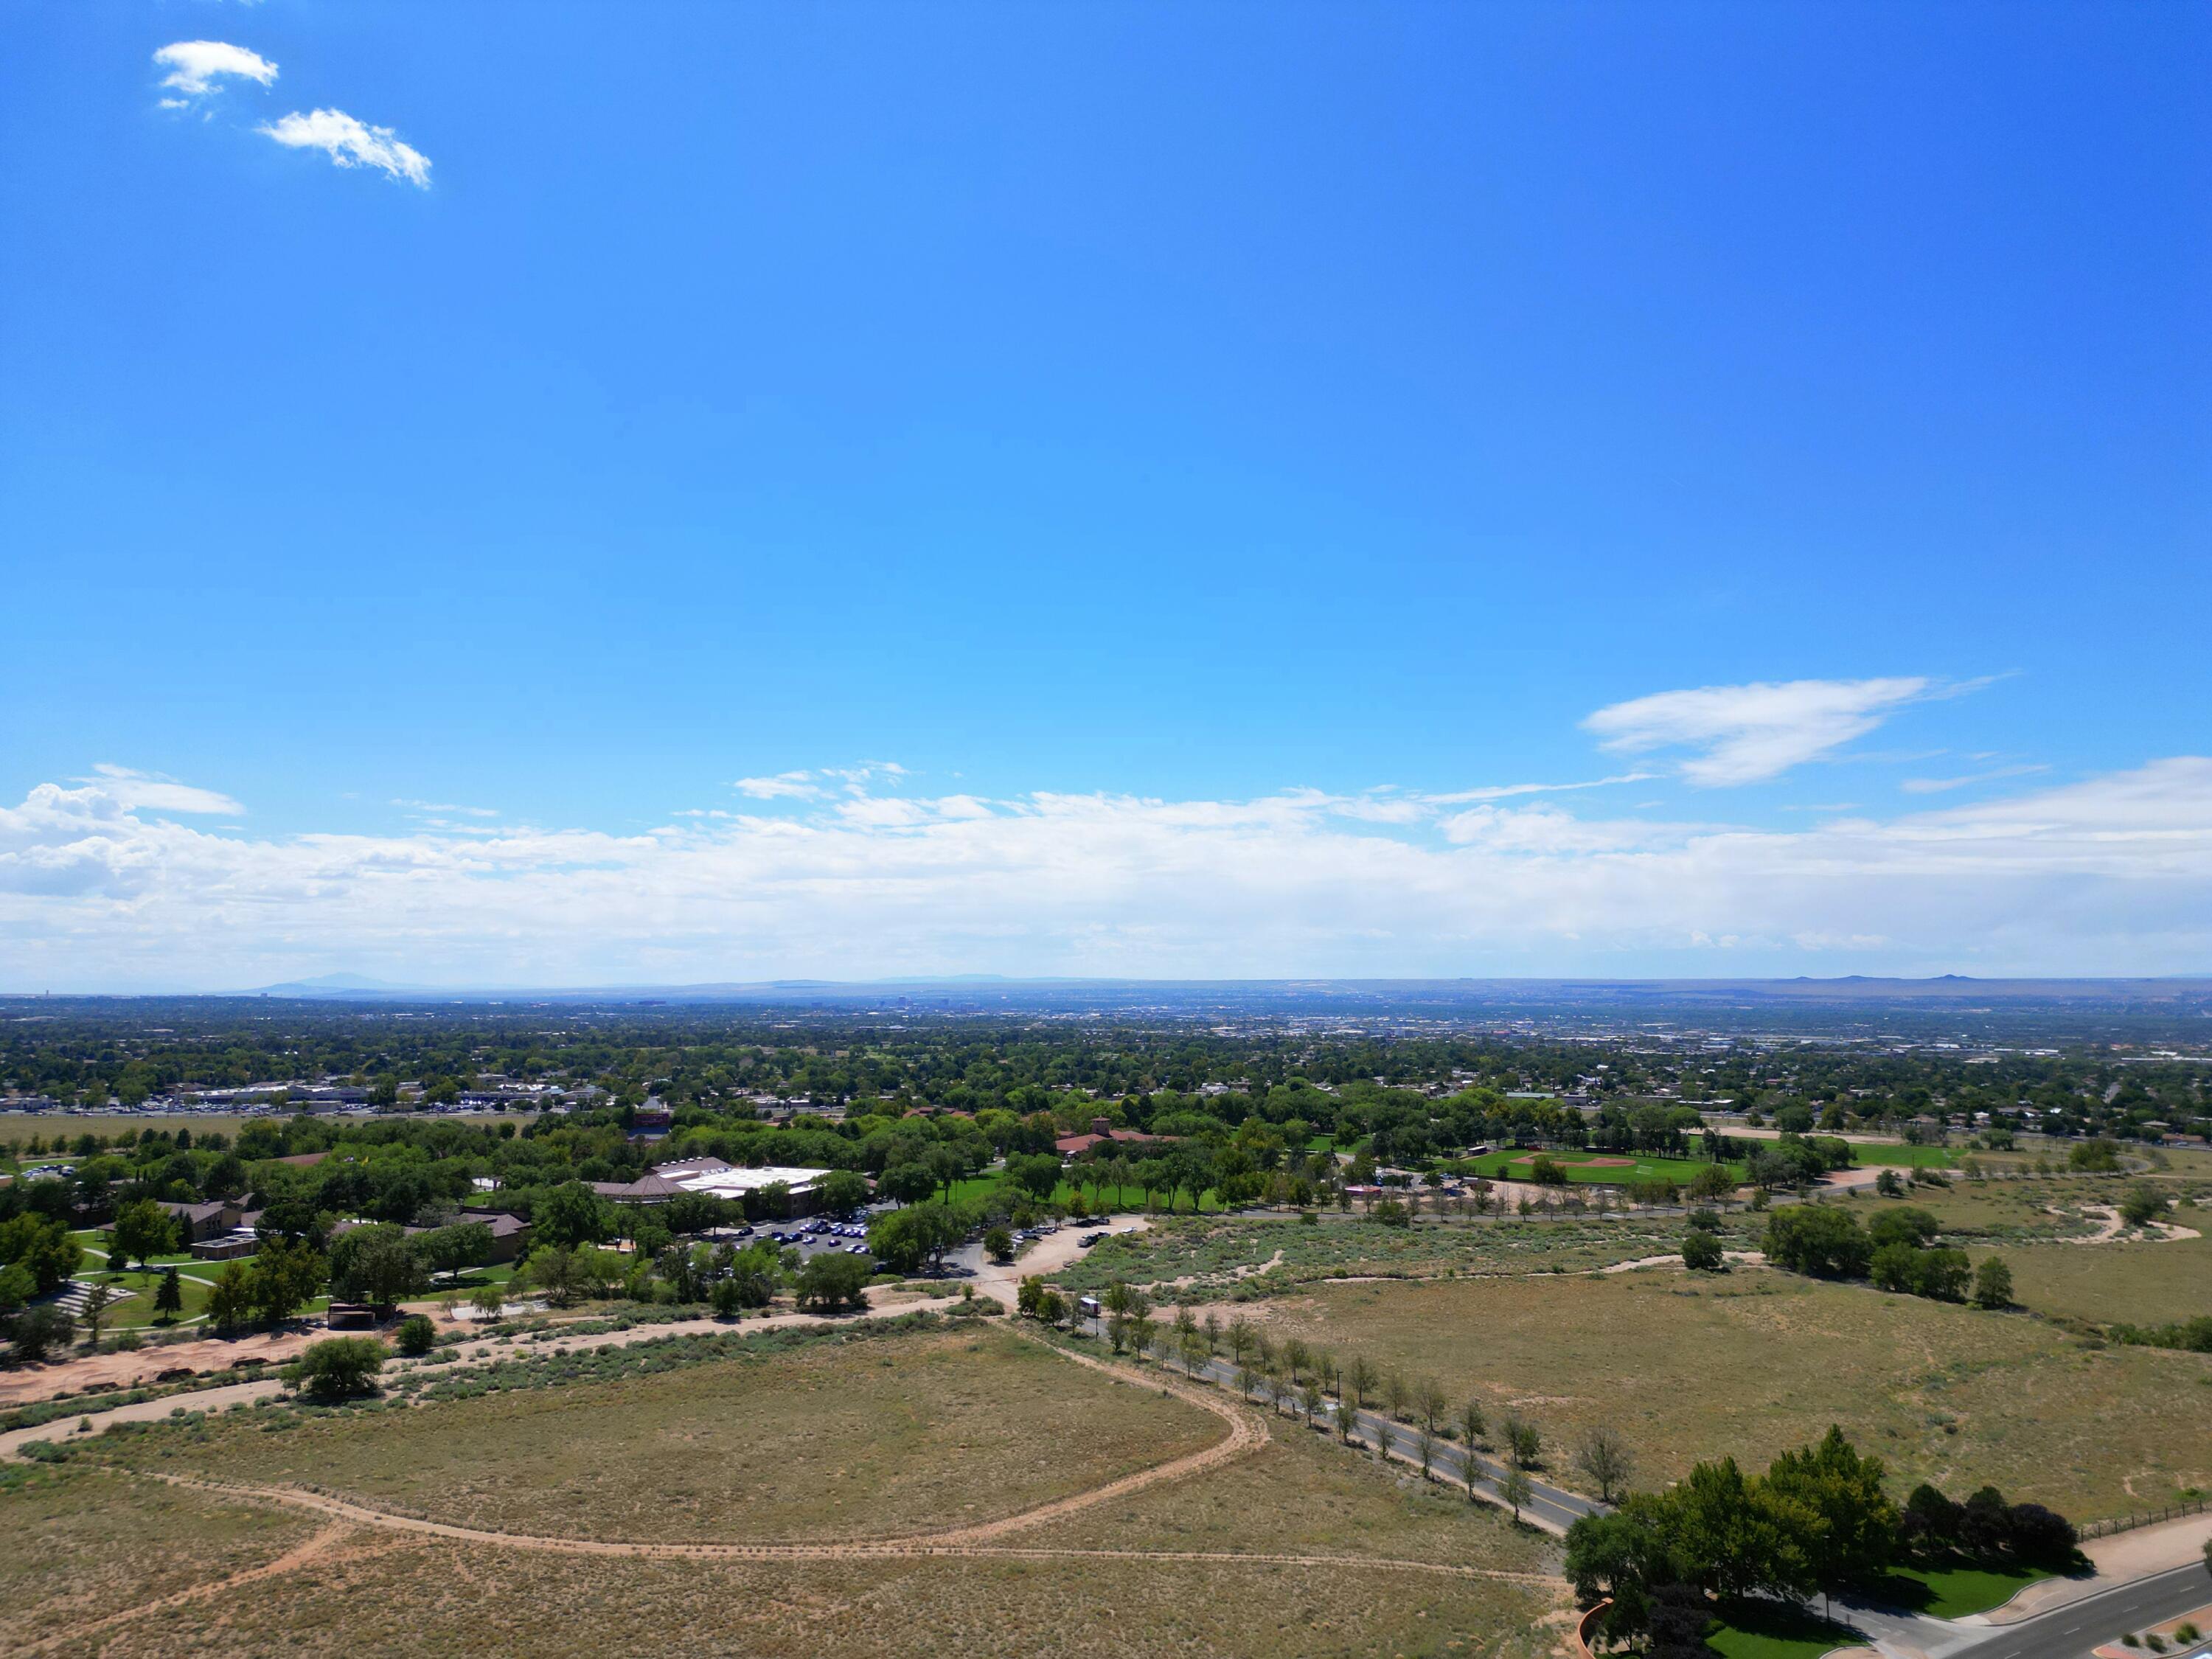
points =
(1819, 1522)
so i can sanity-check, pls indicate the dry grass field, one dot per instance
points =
(84, 1544)
(432, 1600)
(1757, 1361)
(2120, 1282)
(836, 1445)
(374, 1594)
(869, 1437)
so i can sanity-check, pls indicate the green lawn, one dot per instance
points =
(1590, 1167)
(1904, 1157)
(1756, 1630)
(1954, 1592)
(137, 1313)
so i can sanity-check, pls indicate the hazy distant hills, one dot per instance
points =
(1850, 988)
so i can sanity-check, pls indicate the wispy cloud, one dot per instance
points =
(153, 792)
(351, 143)
(811, 784)
(784, 785)
(1507, 791)
(1747, 733)
(1937, 785)
(198, 68)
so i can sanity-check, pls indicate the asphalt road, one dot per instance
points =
(2070, 1631)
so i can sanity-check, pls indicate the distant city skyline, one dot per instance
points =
(756, 494)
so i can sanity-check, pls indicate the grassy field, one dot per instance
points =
(380, 1596)
(137, 1313)
(2121, 1282)
(836, 1438)
(83, 1544)
(1756, 1362)
(870, 1437)
(407, 1600)
(1191, 1260)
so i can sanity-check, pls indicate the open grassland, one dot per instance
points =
(2122, 1282)
(1197, 1260)
(1756, 1362)
(1302, 1494)
(377, 1594)
(2048, 1209)
(872, 1436)
(430, 1599)
(81, 1544)
(1357, 1537)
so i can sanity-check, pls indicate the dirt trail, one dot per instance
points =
(300, 1555)
(2110, 1227)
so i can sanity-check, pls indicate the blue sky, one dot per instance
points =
(1232, 416)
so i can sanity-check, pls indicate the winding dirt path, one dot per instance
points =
(299, 1556)
(1247, 1431)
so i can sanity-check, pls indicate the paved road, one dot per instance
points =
(2072, 1629)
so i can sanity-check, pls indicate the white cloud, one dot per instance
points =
(1938, 785)
(2111, 875)
(153, 792)
(350, 143)
(1746, 733)
(795, 786)
(198, 68)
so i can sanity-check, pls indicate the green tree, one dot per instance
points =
(230, 1298)
(831, 1282)
(1702, 1252)
(1604, 1456)
(378, 1265)
(35, 1333)
(416, 1335)
(1524, 1444)
(1817, 1240)
(453, 1249)
(1516, 1490)
(98, 1298)
(841, 1191)
(572, 1214)
(142, 1231)
(1993, 1284)
(337, 1367)
(1856, 1532)
(285, 1277)
(169, 1296)
(2141, 1205)
(41, 1245)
